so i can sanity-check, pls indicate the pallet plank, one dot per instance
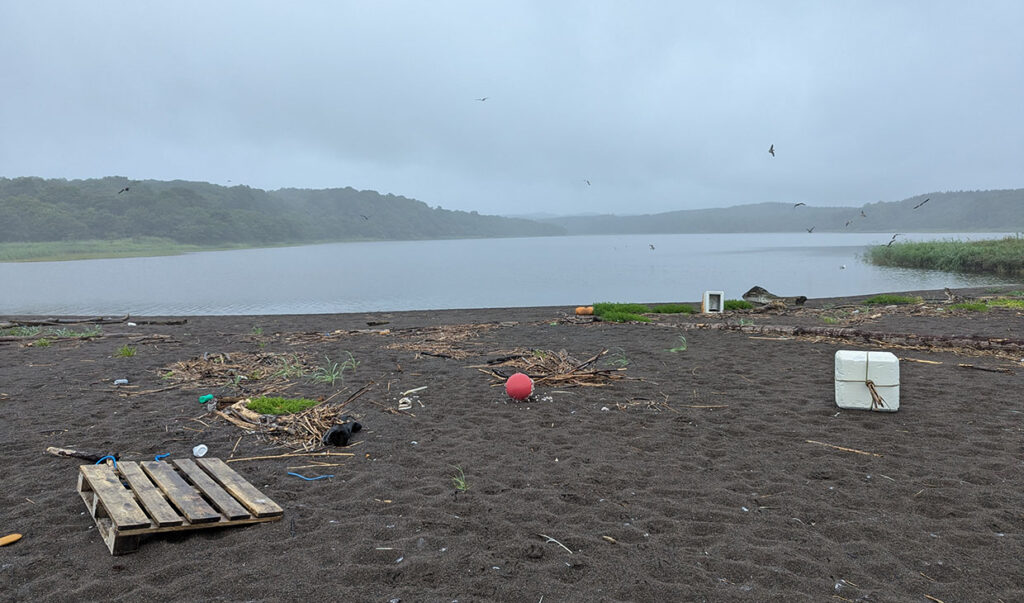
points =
(182, 495)
(226, 503)
(254, 500)
(152, 500)
(116, 500)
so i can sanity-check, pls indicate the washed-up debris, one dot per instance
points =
(559, 369)
(305, 430)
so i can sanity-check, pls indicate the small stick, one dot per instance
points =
(844, 449)
(289, 454)
(235, 447)
(550, 539)
(705, 405)
(921, 361)
(934, 599)
(985, 368)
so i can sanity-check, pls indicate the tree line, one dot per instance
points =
(39, 210)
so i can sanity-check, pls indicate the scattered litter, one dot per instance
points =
(414, 390)
(206, 398)
(604, 408)
(310, 479)
(405, 404)
(120, 382)
(399, 560)
(160, 456)
(131, 324)
(341, 433)
(200, 450)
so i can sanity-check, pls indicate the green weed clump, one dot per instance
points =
(887, 299)
(280, 406)
(126, 351)
(737, 304)
(334, 371)
(971, 306)
(459, 480)
(1016, 304)
(674, 309)
(612, 312)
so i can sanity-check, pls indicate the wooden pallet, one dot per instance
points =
(138, 499)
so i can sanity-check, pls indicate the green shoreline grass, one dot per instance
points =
(1002, 257)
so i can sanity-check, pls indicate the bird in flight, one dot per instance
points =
(482, 99)
(811, 229)
(123, 190)
(893, 239)
(652, 246)
(862, 214)
(771, 150)
(798, 204)
(364, 217)
(922, 203)
(588, 182)
(848, 222)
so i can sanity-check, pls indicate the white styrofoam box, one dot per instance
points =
(853, 371)
(714, 301)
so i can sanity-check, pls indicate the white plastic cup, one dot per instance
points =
(200, 450)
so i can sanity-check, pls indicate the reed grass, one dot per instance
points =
(1003, 257)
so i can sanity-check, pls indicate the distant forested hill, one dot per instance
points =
(34, 209)
(963, 211)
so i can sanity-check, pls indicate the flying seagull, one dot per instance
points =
(922, 203)
(811, 229)
(364, 217)
(862, 214)
(848, 222)
(652, 246)
(588, 182)
(482, 99)
(798, 204)
(123, 190)
(893, 239)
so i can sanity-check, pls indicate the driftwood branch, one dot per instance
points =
(42, 322)
(78, 454)
(974, 342)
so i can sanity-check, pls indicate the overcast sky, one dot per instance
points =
(660, 105)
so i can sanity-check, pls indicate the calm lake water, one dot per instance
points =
(476, 273)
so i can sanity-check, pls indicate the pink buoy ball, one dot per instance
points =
(519, 386)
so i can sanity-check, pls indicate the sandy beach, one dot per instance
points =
(719, 472)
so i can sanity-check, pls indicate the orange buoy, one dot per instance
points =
(584, 310)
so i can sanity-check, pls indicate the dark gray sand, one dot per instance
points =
(713, 473)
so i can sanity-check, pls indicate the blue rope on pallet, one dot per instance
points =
(109, 456)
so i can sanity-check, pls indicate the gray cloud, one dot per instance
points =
(661, 105)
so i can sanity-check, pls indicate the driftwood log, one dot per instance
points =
(761, 296)
(78, 454)
(43, 322)
(973, 342)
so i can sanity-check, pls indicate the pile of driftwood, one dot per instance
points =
(264, 371)
(552, 369)
(443, 341)
(302, 430)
